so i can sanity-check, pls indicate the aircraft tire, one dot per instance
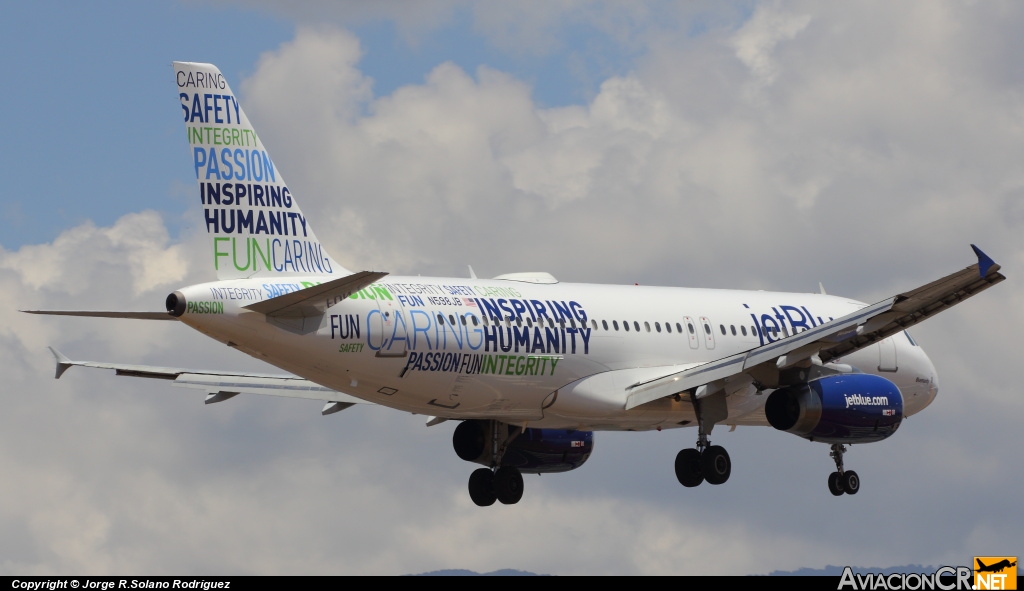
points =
(851, 482)
(688, 470)
(835, 484)
(508, 485)
(481, 487)
(715, 464)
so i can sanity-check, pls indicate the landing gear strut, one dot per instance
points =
(497, 483)
(842, 481)
(706, 462)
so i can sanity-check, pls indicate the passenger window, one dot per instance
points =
(690, 327)
(463, 320)
(636, 325)
(744, 330)
(668, 327)
(451, 319)
(625, 325)
(604, 323)
(615, 323)
(707, 329)
(475, 323)
(657, 326)
(440, 319)
(647, 325)
(722, 327)
(594, 322)
(733, 328)
(679, 327)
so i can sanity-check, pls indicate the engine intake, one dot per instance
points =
(847, 408)
(534, 451)
(175, 304)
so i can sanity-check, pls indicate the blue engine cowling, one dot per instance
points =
(534, 451)
(847, 408)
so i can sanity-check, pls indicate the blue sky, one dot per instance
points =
(749, 145)
(95, 68)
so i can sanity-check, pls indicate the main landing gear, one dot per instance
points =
(842, 481)
(486, 443)
(504, 484)
(706, 462)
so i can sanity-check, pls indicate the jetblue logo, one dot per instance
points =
(783, 321)
(858, 400)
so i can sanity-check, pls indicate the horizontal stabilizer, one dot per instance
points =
(100, 314)
(314, 301)
(219, 385)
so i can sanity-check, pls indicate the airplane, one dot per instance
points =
(530, 366)
(994, 568)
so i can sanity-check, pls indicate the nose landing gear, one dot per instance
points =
(842, 481)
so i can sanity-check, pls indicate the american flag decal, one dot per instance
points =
(469, 302)
(576, 443)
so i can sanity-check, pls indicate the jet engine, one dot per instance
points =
(533, 451)
(845, 408)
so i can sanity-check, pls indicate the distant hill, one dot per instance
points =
(459, 572)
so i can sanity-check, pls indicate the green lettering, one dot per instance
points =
(217, 253)
(554, 362)
(256, 250)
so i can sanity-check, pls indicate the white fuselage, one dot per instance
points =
(536, 353)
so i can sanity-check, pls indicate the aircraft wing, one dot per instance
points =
(831, 340)
(221, 385)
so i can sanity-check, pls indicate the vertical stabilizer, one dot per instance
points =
(255, 225)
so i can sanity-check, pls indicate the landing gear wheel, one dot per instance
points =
(508, 485)
(481, 487)
(851, 482)
(688, 468)
(835, 484)
(715, 464)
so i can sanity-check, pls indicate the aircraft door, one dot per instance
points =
(690, 326)
(709, 332)
(887, 355)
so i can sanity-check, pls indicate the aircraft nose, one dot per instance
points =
(925, 377)
(929, 369)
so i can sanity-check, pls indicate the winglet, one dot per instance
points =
(63, 363)
(984, 262)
